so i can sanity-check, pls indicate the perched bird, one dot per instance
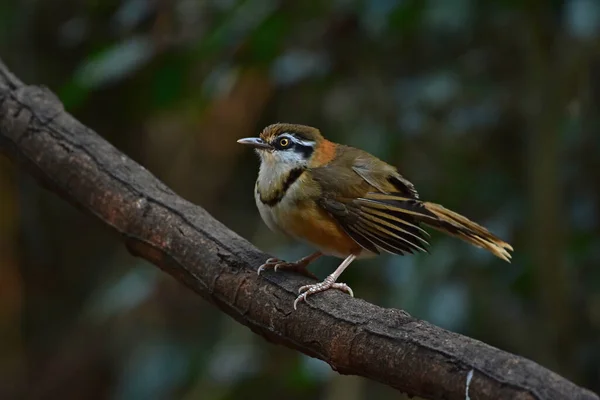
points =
(346, 203)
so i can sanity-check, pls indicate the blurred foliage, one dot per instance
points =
(490, 108)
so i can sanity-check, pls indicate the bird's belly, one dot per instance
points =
(306, 221)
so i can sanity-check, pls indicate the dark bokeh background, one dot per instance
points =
(490, 108)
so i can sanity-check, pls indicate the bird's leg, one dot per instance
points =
(298, 266)
(328, 283)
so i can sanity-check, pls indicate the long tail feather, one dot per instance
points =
(457, 225)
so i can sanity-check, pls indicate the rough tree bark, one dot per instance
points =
(353, 336)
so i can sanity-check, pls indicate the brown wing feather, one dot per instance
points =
(382, 176)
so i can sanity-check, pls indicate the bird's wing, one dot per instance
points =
(376, 206)
(383, 176)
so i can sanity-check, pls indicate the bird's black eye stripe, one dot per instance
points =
(289, 144)
(306, 151)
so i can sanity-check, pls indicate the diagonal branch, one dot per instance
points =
(353, 336)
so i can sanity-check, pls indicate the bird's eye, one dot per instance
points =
(284, 142)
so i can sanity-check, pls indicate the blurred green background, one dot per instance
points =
(490, 108)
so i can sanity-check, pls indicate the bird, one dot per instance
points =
(346, 203)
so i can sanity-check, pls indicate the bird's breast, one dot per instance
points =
(300, 217)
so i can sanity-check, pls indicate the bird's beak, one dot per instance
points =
(255, 142)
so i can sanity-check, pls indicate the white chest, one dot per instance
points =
(267, 213)
(276, 215)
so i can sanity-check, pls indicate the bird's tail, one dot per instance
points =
(391, 222)
(454, 224)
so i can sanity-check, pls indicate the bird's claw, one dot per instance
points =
(276, 264)
(327, 284)
(270, 263)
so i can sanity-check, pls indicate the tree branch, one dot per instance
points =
(353, 336)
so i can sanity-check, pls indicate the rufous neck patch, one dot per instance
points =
(324, 153)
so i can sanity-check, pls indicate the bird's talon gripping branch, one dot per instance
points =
(299, 266)
(298, 299)
(327, 284)
(345, 288)
(271, 263)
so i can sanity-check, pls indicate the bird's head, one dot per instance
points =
(289, 145)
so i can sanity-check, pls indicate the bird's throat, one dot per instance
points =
(271, 193)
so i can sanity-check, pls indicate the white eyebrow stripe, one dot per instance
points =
(308, 143)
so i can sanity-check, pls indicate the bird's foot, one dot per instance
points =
(277, 264)
(328, 283)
